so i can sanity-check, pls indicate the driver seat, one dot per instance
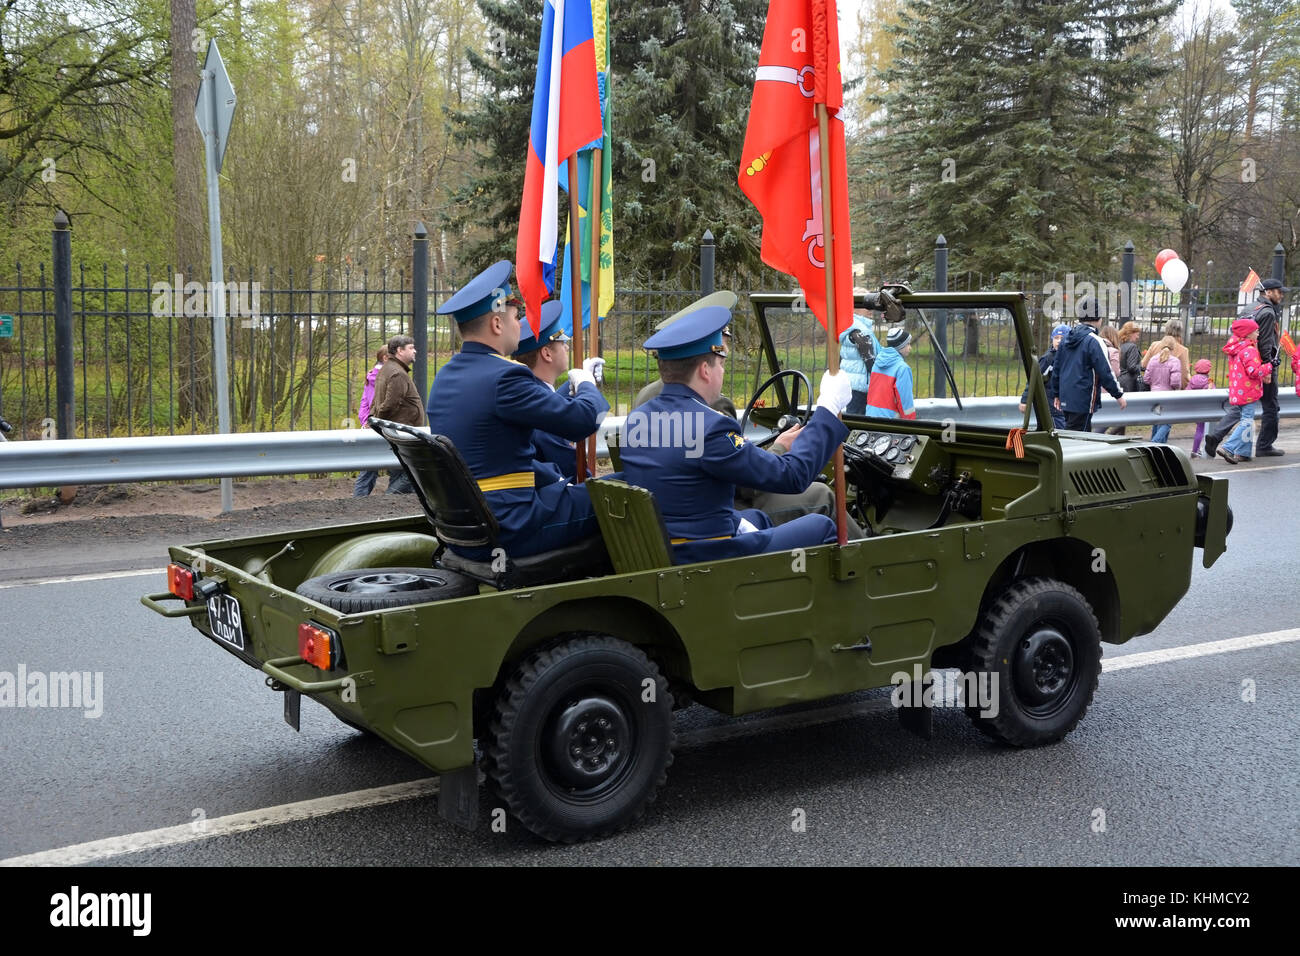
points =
(460, 516)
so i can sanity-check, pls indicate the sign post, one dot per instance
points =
(213, 112)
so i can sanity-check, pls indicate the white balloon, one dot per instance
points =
(1174, 275)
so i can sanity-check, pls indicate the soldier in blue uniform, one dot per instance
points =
(692, 457)
(489, 405)
(548, 356)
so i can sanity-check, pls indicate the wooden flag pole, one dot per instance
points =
(832, 340)
(593, 211)
(575, 287)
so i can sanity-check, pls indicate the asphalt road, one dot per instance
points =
(1184, 771)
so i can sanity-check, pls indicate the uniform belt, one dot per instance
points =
(516, 479)
(721, 537)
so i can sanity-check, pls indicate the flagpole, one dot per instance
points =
(575, 287)
(593, 209)
(832, 339)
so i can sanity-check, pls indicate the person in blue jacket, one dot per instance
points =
(1082, 367)
(858, 344)
(692, 457)
(547, 355)
(489, 406)
(889, 394)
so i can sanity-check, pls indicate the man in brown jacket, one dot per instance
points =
(398, 400)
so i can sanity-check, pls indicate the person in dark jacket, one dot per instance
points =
(548, 356)
(1082, 366)
(1046, 362)
(398, 400)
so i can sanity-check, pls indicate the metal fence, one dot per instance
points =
(301, 344)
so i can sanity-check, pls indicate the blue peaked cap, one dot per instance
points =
(486, 292)
(697, 333)
(552, 329)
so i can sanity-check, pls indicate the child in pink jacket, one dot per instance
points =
(1164, 374)
(1200, 380)
(1247, 373)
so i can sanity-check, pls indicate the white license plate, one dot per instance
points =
(225, 620)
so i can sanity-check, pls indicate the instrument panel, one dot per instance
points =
(901, 451)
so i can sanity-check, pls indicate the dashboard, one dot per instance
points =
(903, 452)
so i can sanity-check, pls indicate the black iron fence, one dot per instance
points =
(301, 344)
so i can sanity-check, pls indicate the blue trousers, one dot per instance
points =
(1160, 434)
(1243, 436)
(805, 532)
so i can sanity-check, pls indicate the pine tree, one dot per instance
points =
(1019, 130)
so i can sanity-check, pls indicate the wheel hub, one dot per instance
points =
(382, 582)
(1043, 667)
(589, 743)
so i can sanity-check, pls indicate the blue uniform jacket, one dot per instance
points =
(489, 406)
(694, 478)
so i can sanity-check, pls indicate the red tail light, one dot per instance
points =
(317, 645)
(180, 581)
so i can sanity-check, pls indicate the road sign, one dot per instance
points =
(215, 106)
(6, 326)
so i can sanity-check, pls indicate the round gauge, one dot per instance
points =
(860, 439)
(906, 443)
(891, 455)
(881, 445)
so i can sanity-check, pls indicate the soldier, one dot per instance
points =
(488, 405)
(548, 356)
(692, 457)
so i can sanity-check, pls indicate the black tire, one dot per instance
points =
(1041, 640)
(373, 589)
(543, 758)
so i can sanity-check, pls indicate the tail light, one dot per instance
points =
(318, 646)
(180, 581)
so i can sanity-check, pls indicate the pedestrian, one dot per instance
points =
(366, 480)
(398, 400)
(1201, 379)
(1130, 365)
(1082, 367)
(1265, 317)
(857, 355)
(1247, 373)
(1164, 374)
(889, 393)
(1046, 362)
(1173, 330)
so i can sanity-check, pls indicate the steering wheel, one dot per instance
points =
(796, 415)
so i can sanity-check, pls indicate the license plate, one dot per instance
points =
(224, 619)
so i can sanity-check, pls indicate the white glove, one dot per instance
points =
(835, 392)
(577, 376)
(746, 526)
(596, 368)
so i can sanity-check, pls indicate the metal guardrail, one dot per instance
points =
(80, 461)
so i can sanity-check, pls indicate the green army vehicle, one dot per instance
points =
(1010, 554)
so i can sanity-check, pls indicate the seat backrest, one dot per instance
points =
(631, 524)
(450, 495)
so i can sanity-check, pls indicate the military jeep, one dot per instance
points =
(1008, 550)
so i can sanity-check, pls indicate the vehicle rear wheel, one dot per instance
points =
(373, 589)
(581, 739)
(1041, 642)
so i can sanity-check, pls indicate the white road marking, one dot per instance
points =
(31, 583)
(225, 826)
(307, 809)
(1145, 658)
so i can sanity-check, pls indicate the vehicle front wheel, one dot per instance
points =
(581, 738)
(1041, 645)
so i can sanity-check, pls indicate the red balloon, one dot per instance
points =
(1164, 256)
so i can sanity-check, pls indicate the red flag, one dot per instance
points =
(780, 165)
(1248, 284)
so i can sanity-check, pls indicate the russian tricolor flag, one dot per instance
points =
(566, 117)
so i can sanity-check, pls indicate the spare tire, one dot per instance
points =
(373, 589)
